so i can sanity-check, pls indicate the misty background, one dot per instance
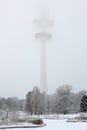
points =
(20, 52)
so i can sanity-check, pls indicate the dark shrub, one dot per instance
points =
(37, 122)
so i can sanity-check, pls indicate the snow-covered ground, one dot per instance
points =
(57, 122)
(60, 125)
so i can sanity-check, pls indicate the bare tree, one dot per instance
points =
(62, 99)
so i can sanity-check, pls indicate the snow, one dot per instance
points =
(60, 125)
(56, 122)
(61, 116)
(18, 124)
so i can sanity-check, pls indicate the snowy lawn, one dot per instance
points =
(60, 125)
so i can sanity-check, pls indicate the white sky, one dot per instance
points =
(20, 53)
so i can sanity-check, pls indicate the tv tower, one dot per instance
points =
(43, 23)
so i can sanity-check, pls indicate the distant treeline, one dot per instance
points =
(12, 104)
(63, 100)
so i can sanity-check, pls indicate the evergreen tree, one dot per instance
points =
(83, 104)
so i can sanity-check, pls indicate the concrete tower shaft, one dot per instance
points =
(43, 71)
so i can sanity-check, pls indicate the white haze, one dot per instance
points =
(20, 53)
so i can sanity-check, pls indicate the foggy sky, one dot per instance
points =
(20, 53)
